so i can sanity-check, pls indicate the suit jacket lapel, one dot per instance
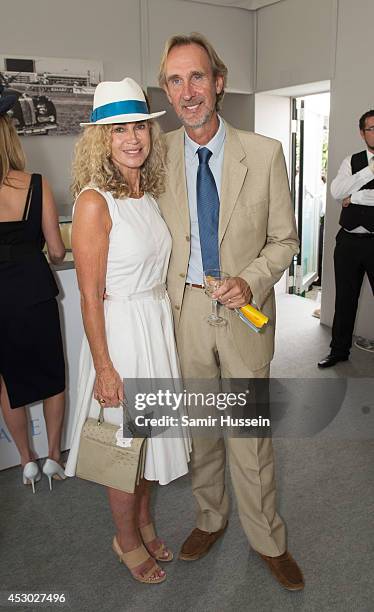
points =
(233, 175)
(177, 179)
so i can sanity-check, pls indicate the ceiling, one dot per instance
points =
(296, 91)
(250, 5)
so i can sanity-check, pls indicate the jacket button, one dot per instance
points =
(182, 275)
(177, 307)
(188, 238)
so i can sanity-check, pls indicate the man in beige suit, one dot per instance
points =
(256, 240)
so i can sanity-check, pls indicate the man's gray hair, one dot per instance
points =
(181, 40)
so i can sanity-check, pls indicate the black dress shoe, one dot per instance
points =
(331, 360)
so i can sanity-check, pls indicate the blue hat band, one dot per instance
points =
(125, 107)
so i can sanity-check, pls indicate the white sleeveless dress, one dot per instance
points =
(139, 331)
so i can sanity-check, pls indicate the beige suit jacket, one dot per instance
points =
(257, 231)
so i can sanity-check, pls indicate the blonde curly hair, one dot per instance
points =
(92, 164)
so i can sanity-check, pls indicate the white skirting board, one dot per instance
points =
(72, 332)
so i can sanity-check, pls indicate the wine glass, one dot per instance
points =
(213, 279)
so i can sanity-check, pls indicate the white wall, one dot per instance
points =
(230, 30)
(108, 31)
(273, 119)
(295, 43)
(352, 94)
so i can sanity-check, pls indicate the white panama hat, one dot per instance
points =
(120, 102)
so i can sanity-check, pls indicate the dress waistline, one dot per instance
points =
(18, 252)
(157, 293)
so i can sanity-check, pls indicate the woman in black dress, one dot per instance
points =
(31, 353)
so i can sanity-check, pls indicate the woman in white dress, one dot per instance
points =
(121, 249)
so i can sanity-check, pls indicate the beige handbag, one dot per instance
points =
(101, 460)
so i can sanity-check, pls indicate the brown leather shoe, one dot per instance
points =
(285, 569)
(199, 543)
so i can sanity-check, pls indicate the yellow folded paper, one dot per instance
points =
(255, 316)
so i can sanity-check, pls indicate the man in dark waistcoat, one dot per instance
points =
(354, 251)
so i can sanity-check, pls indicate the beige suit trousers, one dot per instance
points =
(208, 352)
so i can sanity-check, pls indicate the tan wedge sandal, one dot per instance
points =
(137, 557)
(148, 534)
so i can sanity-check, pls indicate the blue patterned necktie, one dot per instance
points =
(207, 211)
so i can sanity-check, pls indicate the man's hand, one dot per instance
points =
(346, 202)
(234, 293)
(371, 164)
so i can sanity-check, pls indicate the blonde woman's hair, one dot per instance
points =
(181, 40)
(92, 164)
(12, 156)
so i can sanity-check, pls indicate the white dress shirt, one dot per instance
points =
(216, 146)
(346, 184)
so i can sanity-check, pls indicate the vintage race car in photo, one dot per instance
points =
(32, 114)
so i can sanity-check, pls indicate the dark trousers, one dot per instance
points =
(353, 256)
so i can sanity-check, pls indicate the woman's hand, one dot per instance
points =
(108, 388)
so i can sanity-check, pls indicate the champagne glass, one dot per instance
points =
(213, 279)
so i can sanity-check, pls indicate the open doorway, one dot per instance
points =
(289, 114)
(309, 158)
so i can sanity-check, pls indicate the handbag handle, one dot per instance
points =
(100, 418)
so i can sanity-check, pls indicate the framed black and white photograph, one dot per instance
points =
(53, 95)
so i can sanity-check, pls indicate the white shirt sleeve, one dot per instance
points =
(365, 197)
(346, 183)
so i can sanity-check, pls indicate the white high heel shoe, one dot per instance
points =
(52, 469)
(31, 473)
